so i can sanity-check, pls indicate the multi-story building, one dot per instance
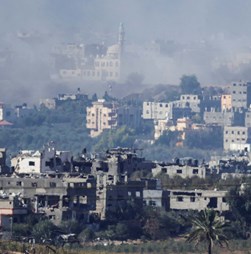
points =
(248, 118)
(226, 102)
(36, 162)
(236, 138)
(192, 101)
(221, 118)
(67, 198)
(241, 95)
(109, 115)
(157, 110)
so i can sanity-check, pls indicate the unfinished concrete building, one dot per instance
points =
(46, 160)
(198, 200)
(59, 199)
(189, 168)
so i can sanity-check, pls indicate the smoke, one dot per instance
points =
(208, 38)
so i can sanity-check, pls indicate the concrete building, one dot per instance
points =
(12, 210)
(198, 200)
(156, 198)
(241, 95)
(226, 102)
(37, 162)
(236, 137)
(184, 170)
(190, 100)
(221, 118)
(108, 115)
(67, 198)
(157, 110)
(248, 118)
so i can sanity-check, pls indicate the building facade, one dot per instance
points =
(109, 115)
(236, 137)
(240, 95)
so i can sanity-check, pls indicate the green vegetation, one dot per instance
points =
(208, 227)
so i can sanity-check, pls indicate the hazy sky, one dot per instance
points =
(225, 22)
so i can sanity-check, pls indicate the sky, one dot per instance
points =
(223, 26)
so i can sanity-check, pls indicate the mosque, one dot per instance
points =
(92, 62)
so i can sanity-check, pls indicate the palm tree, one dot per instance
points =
(208, 226)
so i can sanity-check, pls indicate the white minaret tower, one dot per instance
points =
(121, 38)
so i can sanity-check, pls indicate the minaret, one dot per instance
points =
(121, 38)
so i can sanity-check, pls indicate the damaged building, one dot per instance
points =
(58, 199)
(46, 160)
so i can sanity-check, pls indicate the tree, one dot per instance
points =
(208, 226)
(44, 230)
(239, 199)
(189, 84)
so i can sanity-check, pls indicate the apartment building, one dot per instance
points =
(240, 95)
(226, 102)
(104, 115)
(236, 138)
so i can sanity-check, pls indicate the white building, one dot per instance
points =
(157, 110)
(36, 162)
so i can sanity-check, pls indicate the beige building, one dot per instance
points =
(105, 115)
(226, 102)
(160, 126)
(198, 200)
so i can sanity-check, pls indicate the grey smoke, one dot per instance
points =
(204, 31)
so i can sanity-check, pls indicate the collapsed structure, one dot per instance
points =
(53, 184)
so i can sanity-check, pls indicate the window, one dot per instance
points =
(192, 199)
(138, 194)
(179, 199)
(18, 183)
(195, 171)
(152, 203)
(34, 184)
(31, 163)
(52, 184)
(179, 171)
